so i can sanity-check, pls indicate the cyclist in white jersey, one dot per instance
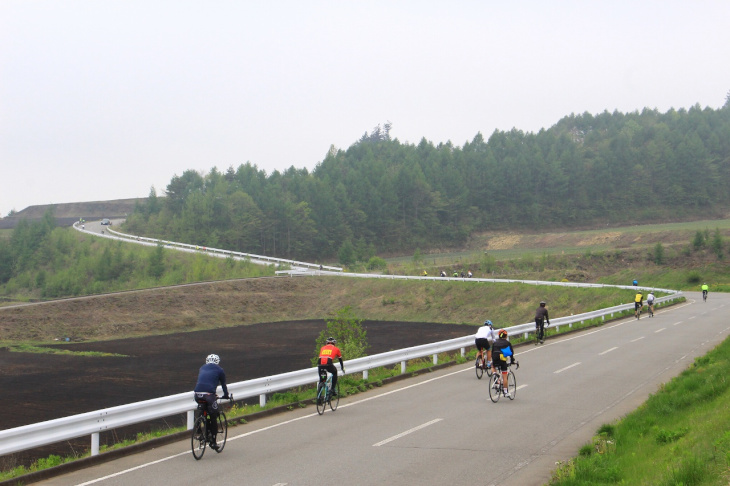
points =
(484, 338)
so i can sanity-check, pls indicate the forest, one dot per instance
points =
(382, 196)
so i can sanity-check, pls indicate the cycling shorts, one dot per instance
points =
(500, 365)
(637, 305)
(482, 343)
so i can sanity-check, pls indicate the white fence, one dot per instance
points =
(93, 423)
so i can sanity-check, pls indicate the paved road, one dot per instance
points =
(441, 428)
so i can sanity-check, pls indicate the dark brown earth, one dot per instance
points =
(53, 386)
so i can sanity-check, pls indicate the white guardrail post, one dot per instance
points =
(93, 423)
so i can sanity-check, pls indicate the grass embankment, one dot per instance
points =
(250, 301)
(679, 436)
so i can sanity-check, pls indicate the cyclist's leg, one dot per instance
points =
(212, 405)
(331, 368)
(505, 382)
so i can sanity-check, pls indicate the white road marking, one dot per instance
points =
(521, 387)
(659, 330)
(692, 317)
(677, 323)
(637, 339)
(607, 351)
(566, 368)
(409, 431)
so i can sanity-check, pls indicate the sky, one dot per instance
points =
(103, 100)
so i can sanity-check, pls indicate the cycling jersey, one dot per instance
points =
(209, 376)
(650, 298)
(328, 353)
(485, 332)
(639, 297)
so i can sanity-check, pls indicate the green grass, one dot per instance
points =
(679, 436)
(29, 348)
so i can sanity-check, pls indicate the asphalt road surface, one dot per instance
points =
(441, 428)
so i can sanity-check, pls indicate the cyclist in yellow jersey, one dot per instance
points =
(705, 288)
(638, 303)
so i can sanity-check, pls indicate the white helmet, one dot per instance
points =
(213, 358)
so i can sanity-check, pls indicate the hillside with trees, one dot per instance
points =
(384, 196)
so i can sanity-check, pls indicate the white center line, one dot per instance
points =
(677, 323)
(521, 387)
(659, 330)
(637, 339)
(607, 351)
(566, 368)
(692, 317)
(409, 431)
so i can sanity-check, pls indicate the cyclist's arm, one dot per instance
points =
(342, 366)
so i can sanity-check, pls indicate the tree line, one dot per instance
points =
(381, 195)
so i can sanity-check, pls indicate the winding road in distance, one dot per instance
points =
(441, 428)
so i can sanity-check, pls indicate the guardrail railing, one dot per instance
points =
(94, 423)
(217, 252)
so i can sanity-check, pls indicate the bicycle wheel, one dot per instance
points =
(489, 371)
(222, 434)
(512, 385)
(197, 440)
(335, 400)
(321, 403)
(495, 388)
(478, 368)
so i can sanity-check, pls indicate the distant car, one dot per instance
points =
(106, 221)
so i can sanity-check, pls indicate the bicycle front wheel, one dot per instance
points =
(198, 440)
(479, 369)
(222, 435)
(321, 403)
(495, 388)
(512, 385)
(335, 400)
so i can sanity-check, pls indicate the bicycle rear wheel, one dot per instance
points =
(478, 368)
(321, 392)
(495, 388)
(198, 439)
(512, 385)
(335, 400)
(222, 435)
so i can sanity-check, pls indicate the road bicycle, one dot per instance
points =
(637, 311)
(704, 296)
(495, 384)
(540, 332)
(202, 434)
(324, 393)
(481, 365)
(650, 308)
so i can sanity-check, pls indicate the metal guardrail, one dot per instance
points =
(217, 252)
(93, 423)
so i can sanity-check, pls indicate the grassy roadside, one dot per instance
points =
(679, 436)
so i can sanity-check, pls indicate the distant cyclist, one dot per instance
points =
(327, 354)
(638, 303)
(501, 353)
(705, 288)
(209, 376)
(541, 317)
(483, 340)
(650, 303)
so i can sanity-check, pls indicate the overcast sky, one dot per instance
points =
(104, 99)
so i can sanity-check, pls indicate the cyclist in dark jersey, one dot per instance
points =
(501, 353)
(541, 316)
(209, 376)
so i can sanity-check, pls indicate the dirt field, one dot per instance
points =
(53, 386)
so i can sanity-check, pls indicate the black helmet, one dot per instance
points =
(542, 303)
(331, 340)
